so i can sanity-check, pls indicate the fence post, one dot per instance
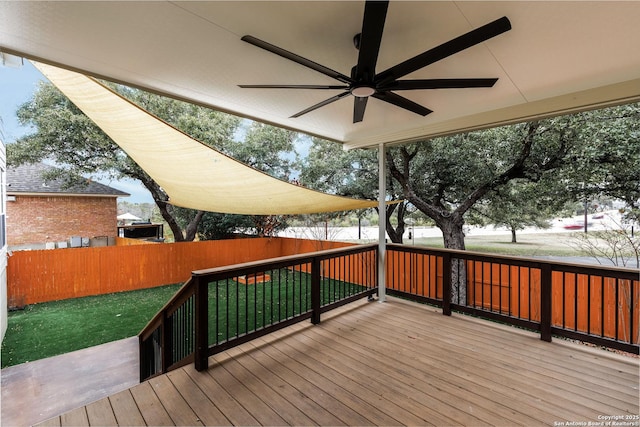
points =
(201, 355)
(545, 303)
(315, 291)
(446, 284)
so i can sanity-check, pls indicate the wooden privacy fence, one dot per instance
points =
(50, 275)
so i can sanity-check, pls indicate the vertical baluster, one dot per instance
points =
(509, 290)
(228, 320)
(202, 324)
(589, 303)
(167, 340)
(564, 303)
(575, 301)
(617, 310)
(545, 303)
(632, 319)
(288, 277)
(602, 312)
(246, 306)
(519, 293)
(500, 288)
(529, 291)
(255, 299)
(217, 307)
(315, 291)
(446, 284)
(295, 285)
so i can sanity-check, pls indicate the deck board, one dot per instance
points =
(336, 387)
(75, 417)
(431, 381)
(174, 403)
(100, 413)
(150, 407)
(125, 409)
(489, 369)
(260, 381)
(230, 408)
(261, 411)
(396, 363)
(208, 413)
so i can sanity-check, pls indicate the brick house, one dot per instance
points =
(41, 213)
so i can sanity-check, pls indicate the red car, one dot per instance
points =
(573, 226)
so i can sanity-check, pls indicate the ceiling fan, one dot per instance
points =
(364, 82)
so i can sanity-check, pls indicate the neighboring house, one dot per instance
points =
(46, 213)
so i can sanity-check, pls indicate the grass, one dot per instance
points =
(246, 308)
(53, 328)
(554, 244)
(48, 329)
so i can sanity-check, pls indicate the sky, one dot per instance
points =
(17, 86)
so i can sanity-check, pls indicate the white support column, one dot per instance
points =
(382, 221)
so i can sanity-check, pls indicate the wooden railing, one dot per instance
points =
(595, 304)
(223, 307)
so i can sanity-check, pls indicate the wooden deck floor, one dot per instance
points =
(395, 363)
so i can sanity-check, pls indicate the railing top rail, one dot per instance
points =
(609, 271)
(254, 266)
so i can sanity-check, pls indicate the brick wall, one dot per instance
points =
(38, 219)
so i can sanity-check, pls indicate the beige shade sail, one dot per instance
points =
(193, 174)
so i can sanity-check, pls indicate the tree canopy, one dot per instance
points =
(64, 135)
(517, 174)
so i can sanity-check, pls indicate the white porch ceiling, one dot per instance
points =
(558, 57)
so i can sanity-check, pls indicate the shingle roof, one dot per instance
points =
(28, 179)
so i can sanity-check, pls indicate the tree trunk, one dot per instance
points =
(395, 234)
(453, 235)
(173, 224)
(161, 198)
(452, 232)
(513, 235)
(192, 227)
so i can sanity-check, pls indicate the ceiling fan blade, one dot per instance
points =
(296, 58)
(456, 45)
(375, 13)
(293, 87)
(321, 104)
(438, 84)
(402, 102)
(359, 105)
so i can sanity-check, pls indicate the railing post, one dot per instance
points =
(545, 303)
(446, 284)
(315, 291)
(201, 355)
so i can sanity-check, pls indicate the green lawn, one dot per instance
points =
(246, 308)
(48, 329)
(554, 244)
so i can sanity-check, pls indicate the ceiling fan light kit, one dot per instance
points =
(362, 91)
(364, 82)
